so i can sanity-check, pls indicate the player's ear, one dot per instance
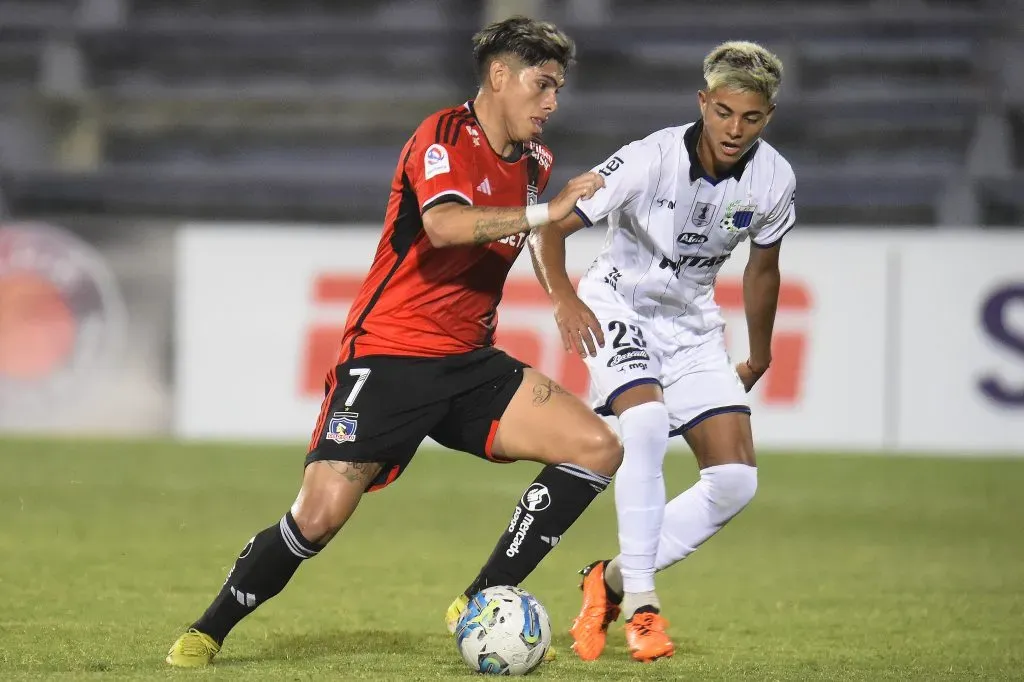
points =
(768, 116)
(702, 100)
(498, 74)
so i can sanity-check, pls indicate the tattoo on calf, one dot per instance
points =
(542, 392)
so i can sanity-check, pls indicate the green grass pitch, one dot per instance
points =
(843, 568)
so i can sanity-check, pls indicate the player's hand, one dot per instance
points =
(749, 374)
(581, 332)
(580, 187)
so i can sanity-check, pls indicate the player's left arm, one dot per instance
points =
(761, 282)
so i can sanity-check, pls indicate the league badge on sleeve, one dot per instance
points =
(435, 161)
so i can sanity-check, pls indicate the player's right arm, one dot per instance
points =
(576, 321)
(626, 176)
(455, 223)
(439, 167)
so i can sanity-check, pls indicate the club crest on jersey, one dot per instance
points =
(702, 214)
(738, 216)
(342, 427)
(435, 161)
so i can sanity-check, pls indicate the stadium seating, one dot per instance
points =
(297, 110)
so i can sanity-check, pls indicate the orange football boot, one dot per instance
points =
(645, 635)
(589, 630)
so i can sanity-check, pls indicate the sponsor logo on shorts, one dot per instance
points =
(629, 355)
(342, 427)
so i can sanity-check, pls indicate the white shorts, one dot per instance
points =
(698, 381)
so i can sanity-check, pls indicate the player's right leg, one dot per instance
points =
(625, 382)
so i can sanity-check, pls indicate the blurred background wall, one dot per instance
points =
(129, 129)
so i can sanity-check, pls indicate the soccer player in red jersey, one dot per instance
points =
(418, 358)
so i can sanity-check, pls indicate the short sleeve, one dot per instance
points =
(440, 168)
(781, 218)
(625, 175)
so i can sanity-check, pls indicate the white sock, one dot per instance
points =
(613, 577)
(699, 512)
(634, 600)
(640, 493)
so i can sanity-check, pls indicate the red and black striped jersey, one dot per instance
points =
(418, 300)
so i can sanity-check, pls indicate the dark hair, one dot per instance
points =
(532, 42)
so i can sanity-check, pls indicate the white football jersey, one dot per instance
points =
(670, 227)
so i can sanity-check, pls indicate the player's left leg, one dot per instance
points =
(546, 424)
(723, 446)
(708, 406)
(724, 449)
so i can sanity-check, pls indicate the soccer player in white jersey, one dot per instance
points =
(645, 320)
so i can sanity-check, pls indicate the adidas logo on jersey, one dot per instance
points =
(484, 187)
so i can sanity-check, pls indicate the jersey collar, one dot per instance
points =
(518, 148)
(690, 139)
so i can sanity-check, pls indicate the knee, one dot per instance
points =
(598, 449)
(731, 487)
(316, 521)
(645, 430)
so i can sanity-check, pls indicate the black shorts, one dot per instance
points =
(380, 408)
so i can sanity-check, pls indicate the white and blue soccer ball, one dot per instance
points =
(503, 631)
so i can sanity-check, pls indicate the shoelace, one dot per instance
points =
(646, 623)
(193, 646)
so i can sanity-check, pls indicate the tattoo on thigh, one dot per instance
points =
(356, 472)
(542, 392)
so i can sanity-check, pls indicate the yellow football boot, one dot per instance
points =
(192, 650)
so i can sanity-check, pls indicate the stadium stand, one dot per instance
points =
(892, 112)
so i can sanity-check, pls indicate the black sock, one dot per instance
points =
(262, 570)
(551, 504)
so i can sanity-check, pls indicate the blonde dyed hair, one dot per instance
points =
(743, 66)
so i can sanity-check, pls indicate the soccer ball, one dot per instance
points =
(503, 631)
